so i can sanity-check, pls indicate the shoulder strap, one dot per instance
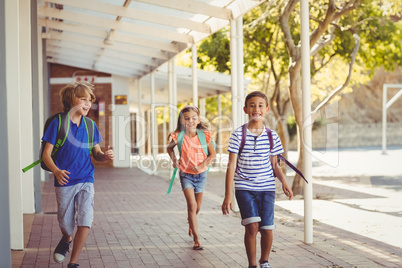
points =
(62, 130)
(203, 141)
(180, 138)
(90, 127)
(243, 138)
(271, 140)
(280, 157)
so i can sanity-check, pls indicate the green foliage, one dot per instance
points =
(215, 50)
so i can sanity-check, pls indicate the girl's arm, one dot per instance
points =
(171, 153)
(211, 157)
(61, 175)
(102, 156)
(281, 177)
(227, 204)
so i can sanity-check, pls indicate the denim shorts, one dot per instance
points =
(257, 206)
(193, 181)
(75, 206)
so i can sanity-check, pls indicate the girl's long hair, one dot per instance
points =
(180, 126)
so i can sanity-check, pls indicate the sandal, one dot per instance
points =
(197, 246)
(190, 232)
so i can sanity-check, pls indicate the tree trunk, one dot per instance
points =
(295, 94)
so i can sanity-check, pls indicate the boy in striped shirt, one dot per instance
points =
(253, 173)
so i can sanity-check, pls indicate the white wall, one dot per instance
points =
(121, 123)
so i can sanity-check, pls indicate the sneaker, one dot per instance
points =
(61, 250)
(265, 264)
(73, 265)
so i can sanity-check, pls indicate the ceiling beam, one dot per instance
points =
(136, 14)
(106, 23)
(120, 37)
(96, 42)
(192, 7)
(153, 63)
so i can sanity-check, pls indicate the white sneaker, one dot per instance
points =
(265, 264)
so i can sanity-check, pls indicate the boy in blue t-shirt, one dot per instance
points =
(253, 173)
(73, 171)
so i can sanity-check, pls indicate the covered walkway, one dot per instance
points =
(138, 225)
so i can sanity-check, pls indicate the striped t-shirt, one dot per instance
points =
(254, 170)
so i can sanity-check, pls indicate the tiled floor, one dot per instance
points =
(137, 225)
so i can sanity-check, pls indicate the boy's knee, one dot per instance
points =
(266, 232)
(252, 228)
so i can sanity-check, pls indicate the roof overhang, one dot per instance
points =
(130, 37)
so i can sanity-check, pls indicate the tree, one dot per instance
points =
(273, 56)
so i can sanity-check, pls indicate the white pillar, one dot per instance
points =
(14, 126)
(172, 95)
(164, 131)
(384, 119)
(5, 252)
(26, 104)
(121, 123)
(195, 76)
(140, 123)
(154, 126)
(202, 109)
(306, 131)
(219, 136)
(233, 70)
(240, 71)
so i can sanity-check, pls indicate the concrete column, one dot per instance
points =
(154, 125)
(140, 123)
(307, 131)
(37, 102)
(5, 252)
(234, 70)
(164, 131)
(14, 123)
(242, 117)
(195, 76)
(27, 155)
(121, 123)
(202, 108)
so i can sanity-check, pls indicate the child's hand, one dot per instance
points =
(62, 176)
(227, 205)
(196, 169)
(175, 163)
(287, 190)
(109, 154)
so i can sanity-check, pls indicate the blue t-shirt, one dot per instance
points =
(254, 170)
(73, 156)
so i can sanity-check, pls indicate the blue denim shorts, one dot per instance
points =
(193, 181)
(75, 206)
(257, 206)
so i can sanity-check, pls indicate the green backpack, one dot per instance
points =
(204, 145)
(62, 133)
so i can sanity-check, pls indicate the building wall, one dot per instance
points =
(103, 92)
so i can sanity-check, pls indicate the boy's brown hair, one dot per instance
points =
(78, 89)
(256, 94)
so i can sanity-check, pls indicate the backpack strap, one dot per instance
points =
(90, 127)
(243, 138)
(280, 157)
(203, 141)
(180, 138)
(62, 130)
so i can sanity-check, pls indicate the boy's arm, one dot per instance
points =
(171, 153)
(281, 177)
(61, 175)
(102, 156)
(211, 157)
(230, 171)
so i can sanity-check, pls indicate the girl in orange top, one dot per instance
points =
(193, 163)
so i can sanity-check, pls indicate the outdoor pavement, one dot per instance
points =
(357, 220)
